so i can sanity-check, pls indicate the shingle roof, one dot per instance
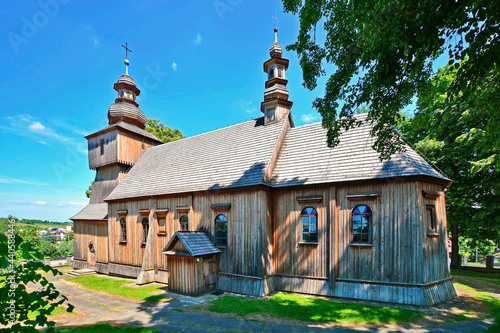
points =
(93, 212)
(306, 159)
(130, 128)
(231, 157)
(196, 244)
(124, 109)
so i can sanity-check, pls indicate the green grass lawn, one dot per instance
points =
(103, 328)
(467, 273)
(492, 302)
(57, 311)
(118, 287)
(312, 309)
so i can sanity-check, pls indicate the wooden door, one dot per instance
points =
(92, 256)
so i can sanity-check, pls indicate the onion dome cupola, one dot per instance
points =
(276, 103)
(125, 107)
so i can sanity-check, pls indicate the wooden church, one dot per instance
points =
(263, 206)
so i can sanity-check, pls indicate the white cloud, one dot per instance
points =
(250, 110)
(9, 180)
(310, 117)
(174, 66)
(43, 143)
(36, 126)
(29, 126)
(72, 203)
(39, 202)
(198, 39)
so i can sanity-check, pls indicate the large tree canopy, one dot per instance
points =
(383, 51)
(460, 135)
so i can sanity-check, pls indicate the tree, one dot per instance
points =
(383, 53)
(460, 135)
(16, 302)
(162, 132)
(88, 193)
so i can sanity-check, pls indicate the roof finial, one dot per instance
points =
(127, 50)
(275, 28)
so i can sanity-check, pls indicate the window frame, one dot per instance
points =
(432, 224)
(182, 223)
(145, 230)
(123, 230)
(218, 239)
(303, 214)
(370, 224)
(102, 147)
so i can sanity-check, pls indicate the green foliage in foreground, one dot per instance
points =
(312, 309)
(119, 287)
(104, 328)
(17, 303)
(467, 273)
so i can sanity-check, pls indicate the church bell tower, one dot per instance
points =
(114, 149)
(276, 103)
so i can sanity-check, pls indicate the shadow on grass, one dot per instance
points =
(312, 309)
(103, 328)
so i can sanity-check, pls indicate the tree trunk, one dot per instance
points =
(455, 259)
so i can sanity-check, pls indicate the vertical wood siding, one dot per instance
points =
(95, 231)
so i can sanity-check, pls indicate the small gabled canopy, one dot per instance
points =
(195, 244)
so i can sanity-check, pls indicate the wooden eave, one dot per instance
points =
(161, 211)
(280, 61)
(276, 80)
(114, 127)
(122, 212)
(183, 209)
(362, 196)
(309, 198)
(221, 207)
(430, 194)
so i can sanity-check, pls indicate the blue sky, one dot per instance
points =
(198, 64)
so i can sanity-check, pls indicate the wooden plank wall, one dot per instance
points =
(182, 277)
(291, 257)
(131, 148)
(106, 179)
(243, 255)
(396, 252)
(95, 231)
(131, 252)
(110, 149)
(434, 248)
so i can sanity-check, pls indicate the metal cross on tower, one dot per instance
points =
(275, 22)
(127, 50)
(276, 28)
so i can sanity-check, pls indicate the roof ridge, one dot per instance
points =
(268, 164)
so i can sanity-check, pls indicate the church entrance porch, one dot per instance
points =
(192, 263)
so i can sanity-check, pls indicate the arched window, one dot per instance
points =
(184, 223)
(362, 225)
(221, 230)
(309, 217)
(145, 230)
(123, 230)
